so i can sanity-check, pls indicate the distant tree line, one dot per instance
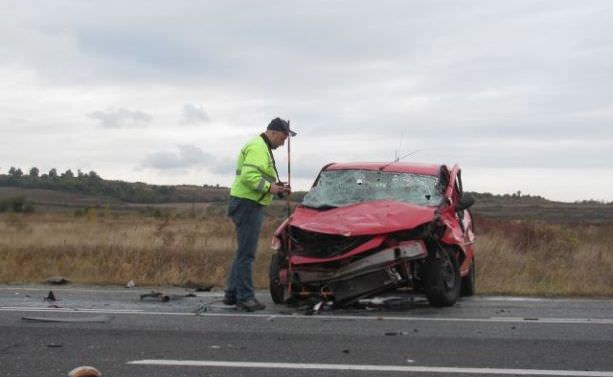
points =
(516, 195)
(137, 192)
(92, 184)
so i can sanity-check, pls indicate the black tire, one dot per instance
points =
(469, 281)
(277, 290)
(442, 279)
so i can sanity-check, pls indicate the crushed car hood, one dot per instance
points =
(373, 217)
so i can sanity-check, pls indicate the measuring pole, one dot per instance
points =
(289, 171)
(289, 238)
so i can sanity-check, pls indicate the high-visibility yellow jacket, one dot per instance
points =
(255, 172)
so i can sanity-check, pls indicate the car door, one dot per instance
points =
(462, 224)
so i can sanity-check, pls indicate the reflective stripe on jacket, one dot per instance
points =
(255, 172)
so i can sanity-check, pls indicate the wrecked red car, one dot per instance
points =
(367, 228)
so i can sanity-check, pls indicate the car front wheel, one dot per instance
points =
(277, 290)
(442, 279)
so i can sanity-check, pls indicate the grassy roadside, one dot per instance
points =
(113, 249)
(106, 248)
(545, 259)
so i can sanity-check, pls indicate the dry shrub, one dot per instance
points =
(545, 259)
(103, 250)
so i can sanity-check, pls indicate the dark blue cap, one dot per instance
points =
(280, 125)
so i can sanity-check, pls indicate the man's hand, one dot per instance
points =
(279, 187)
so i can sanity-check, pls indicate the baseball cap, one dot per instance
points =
(281, 125)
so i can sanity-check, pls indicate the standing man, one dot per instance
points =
(257, 180)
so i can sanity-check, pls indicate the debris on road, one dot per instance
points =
(164, 297)
(50, 297)
(197, 286)
(84, 371)
(315, 306)
(201, 309)
(57, 280)
(153, 294)
(394, 333)
(390, 302)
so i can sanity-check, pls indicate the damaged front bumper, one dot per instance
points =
(356, 277)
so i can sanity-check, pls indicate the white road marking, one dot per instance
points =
(267, 316)
(71, 310)
(375, 368)
(519, 299)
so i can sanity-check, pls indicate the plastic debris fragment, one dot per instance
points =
(57, 280)
(84, 371)
(50, 296)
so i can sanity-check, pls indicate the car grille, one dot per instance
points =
(320, 245)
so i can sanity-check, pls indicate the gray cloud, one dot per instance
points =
(519, 84)
(119, 118)
(188, 156)
(193, 114)
(223, 165)
(306, 167)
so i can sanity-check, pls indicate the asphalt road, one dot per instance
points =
(122, 335)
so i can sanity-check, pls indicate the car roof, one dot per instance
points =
(398, 167)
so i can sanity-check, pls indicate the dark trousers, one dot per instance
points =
(247, 217)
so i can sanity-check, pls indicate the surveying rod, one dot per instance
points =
(289, 173)
(289, 238)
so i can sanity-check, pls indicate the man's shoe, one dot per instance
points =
(229, 301)
(250, 305)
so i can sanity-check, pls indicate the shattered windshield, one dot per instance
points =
(337, 188)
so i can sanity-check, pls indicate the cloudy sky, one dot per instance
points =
(518, 93)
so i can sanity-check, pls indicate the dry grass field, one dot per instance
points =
(532, 258)
(102, 247)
